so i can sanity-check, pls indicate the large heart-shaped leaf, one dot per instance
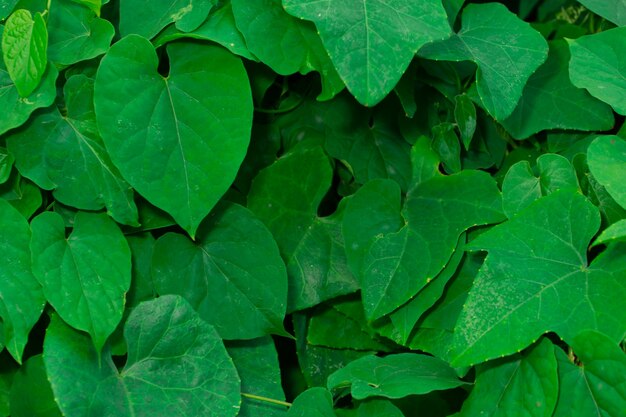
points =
(177, 366)
(370, 42)
(178, 140)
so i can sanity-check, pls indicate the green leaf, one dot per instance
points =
(187, 15)
(85, 275)
(465, 116)
(372, 44)
(94, 5)
(257, 365)
(394, 376)
(21, 194)
(71, 158)
(446, 144)
(614, 11)
(378, 407)
(606, 157)
(286, 44)
(177, 366)
(537, 268)
(6, 164)
(232, 274)
(614, 233)
(24, 44)
(31, 394)
(178, 140)
(522, 186)
(76, 34)
(506, 50)
(550, 101)
(286, 196)
(524, 385)
(597, 387)
(314, 402)
(21, 297)
(596, 66)
(6, 7)
(219, 27)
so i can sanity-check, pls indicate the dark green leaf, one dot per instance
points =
(178, 140)
(86, 275)
(378, 407)
(606, 158)
(21, 194)
(614, 11)
(31, 394)
(177, 366)
(465, 116)
(6, 164)
(314, 402)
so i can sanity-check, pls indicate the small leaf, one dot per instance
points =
(606, 157)
(371, 45)
(6, 165)
(614, 233)
(31, 382)
(24, 50)
(314, 402)
(232, 274)
(506, 49)
(22, 298)
(597, 67)
(178, 140)
(177, 366)
(86, 275)
(465, 116)
(394, 376)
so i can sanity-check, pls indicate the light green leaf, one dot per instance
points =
(314, 402)
(550, 101)
(257, 365)
(614, 10)
(187, 15)
(31, 394)
(378, 407)
(178, 140)
(524, 385)
(177, 366)
(614, 233)
(286, 196)
(506, 50)
(465, 116)
(394, 376)
(232, 274)
(219, 27)
(597, 387)
(522, 185)
(85, 275)
(372, 43)
(71, 158)
(21, 296)
(94, 5)
(24, 45)
(76, 34)
(6, 165)
(536, 279)
(597, 66)
(606, 157)
(284, 43)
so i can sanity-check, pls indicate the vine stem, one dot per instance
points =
(266, 399)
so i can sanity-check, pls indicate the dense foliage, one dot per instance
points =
(349, 208)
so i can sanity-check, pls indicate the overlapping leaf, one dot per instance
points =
(232, 274)
(536, 279)
(71, 158)
(177, 365)
(607, 158)
(177, 140)
(372, 43)
(615, 10)
(86, 275)
(31, 382)
(506, 50)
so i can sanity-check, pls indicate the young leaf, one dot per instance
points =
(372, 44)
(550, 101)
(536, 279)
(72, 159)
(232, 275)
(86, 275)
(76, 33)
(177, 366)
(24, 50)
(606, 158)
(524, 385)
(187, 15)
(598, 386)
(314, 402)
(465, 116)
(178, 140)
(506, 49)
(31, 382)
(597, 67)
(394, 376)
(21, 295)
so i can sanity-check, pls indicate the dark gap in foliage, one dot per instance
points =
(34, 346)
(164, 63)
(331, 200)
(291, 376)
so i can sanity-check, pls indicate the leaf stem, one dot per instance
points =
(266, 399)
